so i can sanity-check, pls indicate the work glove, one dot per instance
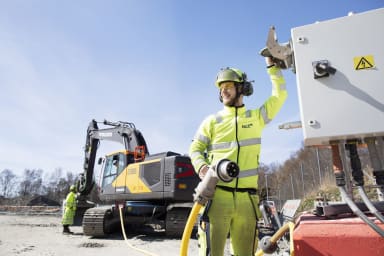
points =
(277, 62)
(203, 171)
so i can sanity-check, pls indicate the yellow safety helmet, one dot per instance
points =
(72, 188)
(229, 74)
(237, 76)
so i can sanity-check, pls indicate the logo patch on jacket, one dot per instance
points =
(247, 125)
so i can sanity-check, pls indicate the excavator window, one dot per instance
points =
(114, 165)
(110, 166)
(122, 163)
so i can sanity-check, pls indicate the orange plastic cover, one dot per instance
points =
(350, 236)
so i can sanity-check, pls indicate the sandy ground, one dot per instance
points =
(42, 235)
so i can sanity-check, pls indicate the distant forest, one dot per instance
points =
(53, 185)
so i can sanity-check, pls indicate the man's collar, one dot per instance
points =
(232, 110)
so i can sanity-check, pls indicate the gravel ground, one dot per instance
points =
(41, 235)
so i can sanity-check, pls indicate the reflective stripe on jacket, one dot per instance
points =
(234, 133)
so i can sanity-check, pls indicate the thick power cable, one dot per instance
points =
(377, 165)
(269, 244)
(369, 204)
(340, 182)
(188, 228)
(358, 212)
(125, 237)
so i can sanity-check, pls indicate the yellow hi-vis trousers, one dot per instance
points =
(230, 212)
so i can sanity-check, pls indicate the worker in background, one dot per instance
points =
(234, 133)
(70, 210)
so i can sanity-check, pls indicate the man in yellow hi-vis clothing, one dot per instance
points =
(70, 210)
(234, 133)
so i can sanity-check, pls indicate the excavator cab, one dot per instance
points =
(113, 165)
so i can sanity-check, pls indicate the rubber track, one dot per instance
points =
(93, 222)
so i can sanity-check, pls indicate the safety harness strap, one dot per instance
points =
(205, 219)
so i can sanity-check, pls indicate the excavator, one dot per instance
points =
(147, 189)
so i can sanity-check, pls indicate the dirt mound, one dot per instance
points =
(43, 201)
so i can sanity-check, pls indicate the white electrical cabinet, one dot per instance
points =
(339, 67)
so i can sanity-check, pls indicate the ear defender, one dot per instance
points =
(247, 86)
(247, 89)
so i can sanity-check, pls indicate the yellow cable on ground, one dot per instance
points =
(188, 229)
(279, 233)
(126, 240)
(289, 226)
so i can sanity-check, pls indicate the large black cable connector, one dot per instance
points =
(358, 178)
(357, 172)
(340, 179)
(379, 176)
(267, 246)
(224, 170)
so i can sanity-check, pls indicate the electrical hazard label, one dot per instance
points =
(363, 62)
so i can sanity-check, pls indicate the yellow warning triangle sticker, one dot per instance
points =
(363, 62)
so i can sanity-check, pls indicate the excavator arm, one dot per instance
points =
(121, 132)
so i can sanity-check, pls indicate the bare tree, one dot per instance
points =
(52, 188)
(31, 183)
(57, 185)
(7, 181)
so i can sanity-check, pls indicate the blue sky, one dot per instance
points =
(150, 62)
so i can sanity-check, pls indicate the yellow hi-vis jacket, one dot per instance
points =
(234, 133)
(70, 209)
